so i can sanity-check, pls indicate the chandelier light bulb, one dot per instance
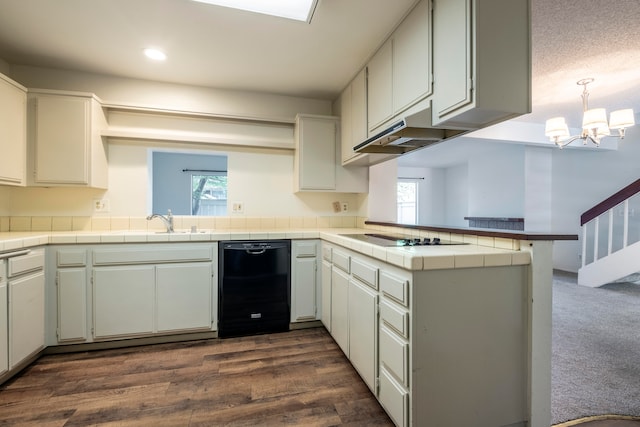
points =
(622, 119)
(594, 123)
(595, 118)
(556, 129)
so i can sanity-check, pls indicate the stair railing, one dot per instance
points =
(612, 224)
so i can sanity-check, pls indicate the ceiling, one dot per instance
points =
(213, 46)
(206, 45)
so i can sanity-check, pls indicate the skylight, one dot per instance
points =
(299, 10)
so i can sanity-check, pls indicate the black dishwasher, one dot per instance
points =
(254, 287)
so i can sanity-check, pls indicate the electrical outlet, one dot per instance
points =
(101, 205)
(237, 207)
(345, 206)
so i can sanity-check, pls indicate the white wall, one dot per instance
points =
(496, 182)
(383, 189)
(456, 205)
(5, 68)
(582, 179)
(4, 200)
(143, 93)
(538, 189)
(261, 179)
(431, 192)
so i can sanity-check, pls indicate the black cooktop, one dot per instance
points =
(399, 240)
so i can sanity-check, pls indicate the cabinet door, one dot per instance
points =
(26, 317)
(184, 295)
(326, 295)
(359, 108)
(340, 309)
(316, 153)
(354, 115)
(123, 300)
(303, 293)
(13, 133)
(72, 304)
(451, 56)
(363, 327)
(380, 86)
(4, 327)
(412, 58)
(61, 137)
(346, 134)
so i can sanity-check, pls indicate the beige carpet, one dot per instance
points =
(603, 421)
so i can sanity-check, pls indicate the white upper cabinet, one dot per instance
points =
(65, 144)
(13, 132)
(412, 75)
(380, 86)
(481, 57)
(317, 165)
(353, 117)
(315, 157)
(399, 74)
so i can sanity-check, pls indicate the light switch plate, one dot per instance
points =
(237, 207)
(101, 205)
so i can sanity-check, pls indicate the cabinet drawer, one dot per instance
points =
(71, 258)
(368, 274)
(395, 318)
(2, 276)
(394, 399)
(30, 262)
(305, 249)
(326, 253)
(145, 255)
(341, 260)
(395, 288)
(394, 355)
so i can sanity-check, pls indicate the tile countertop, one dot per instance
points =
(478, 253)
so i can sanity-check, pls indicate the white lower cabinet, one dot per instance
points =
(110, 292)
(429, 342)
(326, 294)
(340, 308)
(123, 300)
(71, 292)
(183, 304)
(72, 304)
(363, 324)
(4, 319)
(393, 398)
(25, 305)
(305, 280)
(394, 355)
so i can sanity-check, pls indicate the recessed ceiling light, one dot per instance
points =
(155, 54)
(299, 10)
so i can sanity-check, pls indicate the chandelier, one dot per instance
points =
(594, 123)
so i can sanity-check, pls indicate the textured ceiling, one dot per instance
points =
(574, 39)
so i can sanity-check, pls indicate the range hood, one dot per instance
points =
(407, 134)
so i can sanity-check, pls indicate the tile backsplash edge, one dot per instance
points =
(103, 223)
(87, 223)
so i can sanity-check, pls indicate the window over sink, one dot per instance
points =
(189, 183)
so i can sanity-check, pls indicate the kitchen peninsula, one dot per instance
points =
(456, 323)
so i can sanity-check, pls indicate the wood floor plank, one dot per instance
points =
(298, 378)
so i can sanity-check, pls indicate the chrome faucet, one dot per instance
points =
(168, 220)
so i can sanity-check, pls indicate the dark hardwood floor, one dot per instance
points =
(298, 378)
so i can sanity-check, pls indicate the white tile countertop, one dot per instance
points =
(480, 252)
